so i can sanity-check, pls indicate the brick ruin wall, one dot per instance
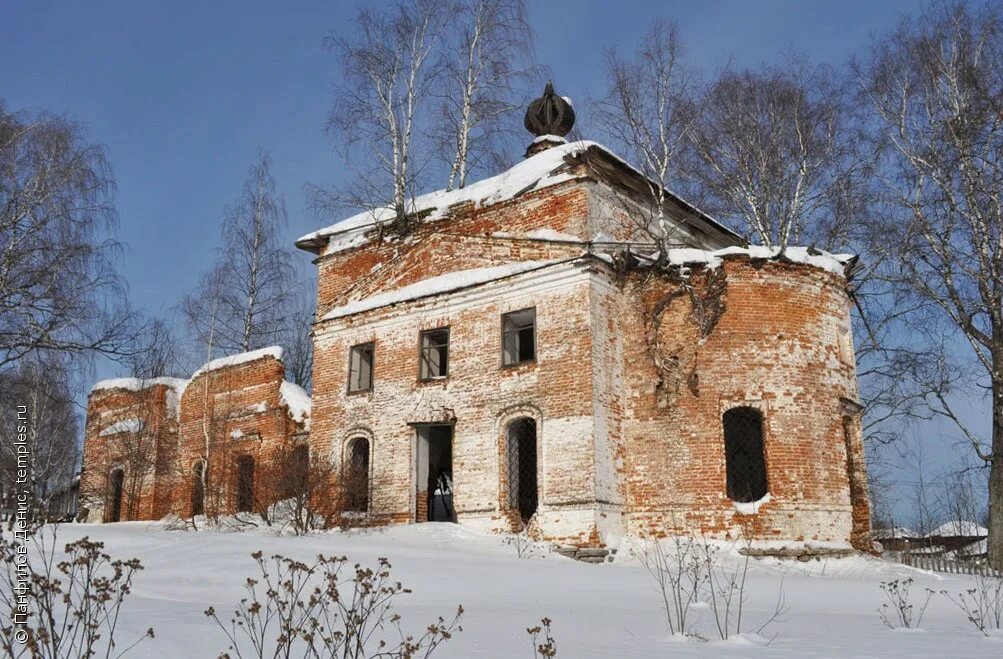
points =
(782, 345)
(237, 409)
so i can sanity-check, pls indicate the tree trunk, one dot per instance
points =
(995, 542)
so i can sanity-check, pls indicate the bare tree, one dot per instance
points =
(648, 112)
(388, 72)
(247, 293)
(156, 354)
(770, 154)
(936, 88)
(486, 52)
(40, 384)
(298, 343)
(58, 290)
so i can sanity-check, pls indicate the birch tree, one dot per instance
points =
(58, 290)
(935, 86)
(247, 291)
(41, 384)
(648, 111)
(388, 70)
(771, 155)
(487, 51)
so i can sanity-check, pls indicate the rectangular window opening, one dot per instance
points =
(434, 358)
(519, 337)
(360, 368)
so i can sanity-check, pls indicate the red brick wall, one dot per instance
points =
(777, 348)
(141, 455)
(242, 399)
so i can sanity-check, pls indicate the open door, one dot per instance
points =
(434, 475)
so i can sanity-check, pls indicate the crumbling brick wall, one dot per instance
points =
(781, 346)
(237, 408)
(143, 454)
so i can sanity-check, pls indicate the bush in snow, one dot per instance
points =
(726, 588)
(983, 603)
(899, 611)
(324, 609)
(71, 602)
(688, 572)
(544, 644)
(680, 575)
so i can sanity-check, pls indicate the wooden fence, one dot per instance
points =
(941, 564)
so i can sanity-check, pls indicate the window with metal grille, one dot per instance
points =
(360, 367)
(745, 460)
(245, 484)
(356, 475)
(519, 337)
(434, 358)
(198, 488)
(522, 471)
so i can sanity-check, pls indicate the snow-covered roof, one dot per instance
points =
(124, 425)
(138, 384)
(897, 532)
(834, 263)
(541, 170)
(436, 285)
(977, 548)
(958, 527)
(239, 358)
(297, 400)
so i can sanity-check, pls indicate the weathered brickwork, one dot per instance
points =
(224, 412)
(623, 445)
(621, 402)
(134, 431)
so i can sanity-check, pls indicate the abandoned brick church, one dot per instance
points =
(523, 354)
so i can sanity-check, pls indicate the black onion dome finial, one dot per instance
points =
(550, 114)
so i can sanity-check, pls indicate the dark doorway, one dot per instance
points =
(115, 483)
(357, 476)
(198, 489)
(245, 484)
(522, 469)
(434, 483)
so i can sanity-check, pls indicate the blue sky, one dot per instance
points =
(183, 94)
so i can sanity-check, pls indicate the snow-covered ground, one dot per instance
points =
(608, 610)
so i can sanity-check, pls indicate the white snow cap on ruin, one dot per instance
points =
(239, 358)
(834, 263)
(297, 400)
(125, 425)
(138, 384)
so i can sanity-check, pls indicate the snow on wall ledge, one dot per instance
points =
(125, 425)
(834, 263)
(437, 285)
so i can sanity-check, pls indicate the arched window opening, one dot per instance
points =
(198, 488)
(115, 482)
(245, 484)
(745, 459)
(522, 468)
(357, 475)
